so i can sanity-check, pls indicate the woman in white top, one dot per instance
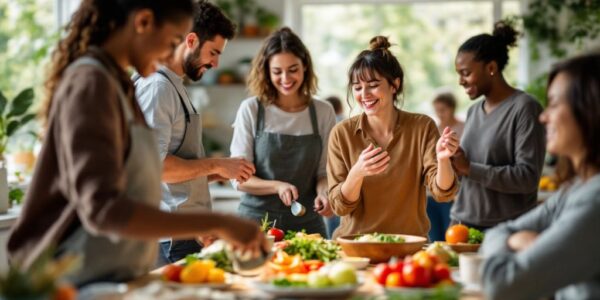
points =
(283, 130)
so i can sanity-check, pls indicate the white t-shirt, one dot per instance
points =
(279, 121)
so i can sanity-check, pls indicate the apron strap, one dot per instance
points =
(86, 60)
(260, 116)
(313, 117)
(185, 108)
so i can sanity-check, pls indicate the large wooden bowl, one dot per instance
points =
(464, 247)
(381, 252)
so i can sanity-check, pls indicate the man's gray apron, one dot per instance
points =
(112, 258)
(192, 194)
(291, 159)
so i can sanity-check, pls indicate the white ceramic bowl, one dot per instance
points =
(358, 263)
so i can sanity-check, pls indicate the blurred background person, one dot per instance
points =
(333, 222)
(444, 105)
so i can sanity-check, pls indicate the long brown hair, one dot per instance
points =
(583, 97)
(282, 40)
(93, 23)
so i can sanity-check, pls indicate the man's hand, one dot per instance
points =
(235, 168)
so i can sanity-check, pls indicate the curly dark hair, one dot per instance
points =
(94, 22)
(492, 47)
(210, 21)
(377, 59)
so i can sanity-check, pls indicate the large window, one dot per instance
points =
(426, 37)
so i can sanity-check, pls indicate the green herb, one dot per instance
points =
(284, 282)
(380, 238)
(475, 236)
(265, 224)
(313, 249)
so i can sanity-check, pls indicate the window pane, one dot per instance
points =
(426, 37)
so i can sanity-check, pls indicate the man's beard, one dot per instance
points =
(191, 69)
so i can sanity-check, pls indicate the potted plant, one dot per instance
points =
(13, 115)
(42, 280)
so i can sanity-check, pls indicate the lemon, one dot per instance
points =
(196, 272)
(216, 275)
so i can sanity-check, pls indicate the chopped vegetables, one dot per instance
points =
(310, 247)
(380, 238)
(215, 252)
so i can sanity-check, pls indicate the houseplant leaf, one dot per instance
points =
(12, 127)
(3, 102)
(21, 103)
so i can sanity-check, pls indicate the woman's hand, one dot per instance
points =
(372, 161)
(447, 145)
(287, 192)
(243, 235)
(460, 163)
(521, 240)
(322, 206)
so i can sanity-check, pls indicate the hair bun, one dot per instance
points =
(379, 42)
(505, 33)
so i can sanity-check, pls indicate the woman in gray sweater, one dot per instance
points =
(554, 249)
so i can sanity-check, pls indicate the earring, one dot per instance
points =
(491, 73)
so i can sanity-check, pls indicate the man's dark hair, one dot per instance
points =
(210, 21)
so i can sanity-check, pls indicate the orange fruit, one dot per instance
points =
(196, 272)
(65, 292)
(457, 234)
(216, 275)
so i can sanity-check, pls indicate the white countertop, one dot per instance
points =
(9, 218)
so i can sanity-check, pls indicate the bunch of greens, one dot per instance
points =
(380, 238)
(475, 236)
(308, 248)
(290, 234)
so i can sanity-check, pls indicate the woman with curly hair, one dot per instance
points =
(283, 130)
(96, 187)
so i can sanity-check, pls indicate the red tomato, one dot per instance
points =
(381, 273)
(441, 272)
(172, 272)
(396, 266)
(394, 279)
(313, 264)
(277, 233)
(415, 275)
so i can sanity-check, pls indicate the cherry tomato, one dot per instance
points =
(396, 266)
(381, 273)
(277, 233)
(441, 272)
(394, 279)
(172, 272)
(415, 275)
